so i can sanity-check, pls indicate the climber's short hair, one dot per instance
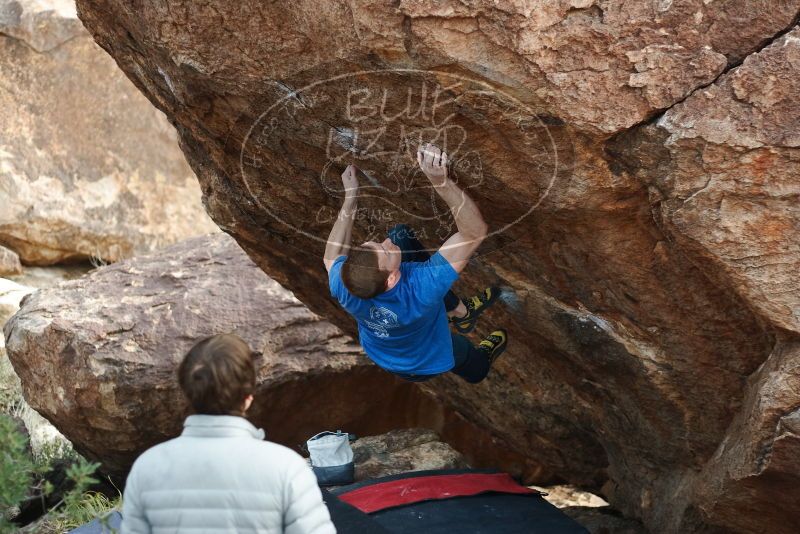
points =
(217, 374)
(361, 275)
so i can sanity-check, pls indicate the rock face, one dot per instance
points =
(97, 356)
(725, 186)
(604, 520)
(11, 293)
(637, 163)
(88, 169)
(9, 262)
(41, 434)
(41, 24)
(401, 451)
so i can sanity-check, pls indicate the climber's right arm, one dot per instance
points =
(472, 229)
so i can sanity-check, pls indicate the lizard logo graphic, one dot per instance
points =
(381, 321)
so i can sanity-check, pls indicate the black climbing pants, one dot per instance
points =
(471, 364)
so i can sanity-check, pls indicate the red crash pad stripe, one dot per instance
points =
(384, 495)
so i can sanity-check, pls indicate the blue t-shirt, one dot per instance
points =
(404, 330)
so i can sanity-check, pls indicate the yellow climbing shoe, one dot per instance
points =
(475, 306)
(494, 344)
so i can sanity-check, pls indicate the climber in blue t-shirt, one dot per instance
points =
(400, 296)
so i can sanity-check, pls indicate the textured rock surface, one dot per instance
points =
(652, 331)
(400, 451)
(87, 167)
(41, 434)
(592, 512)
(97, 357)
(562, 496)
(41, 24)
(11, 293)
(9, 262)
(604, 520)
(726, 183)
(726, 187)
(41, 277)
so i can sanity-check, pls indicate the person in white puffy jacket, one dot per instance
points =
(220, 475)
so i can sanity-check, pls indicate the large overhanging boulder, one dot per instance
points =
(88, 168)
(654, 316)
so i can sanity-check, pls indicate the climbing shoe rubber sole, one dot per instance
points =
(494, 344)
(475, 307)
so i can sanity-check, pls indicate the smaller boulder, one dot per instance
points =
(9, 262)
(41, 435)
(11, 293)
(42, 24)
(97, 356)
(400, 451)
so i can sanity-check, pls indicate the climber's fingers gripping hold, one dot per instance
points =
(433, 163)
(350, 180)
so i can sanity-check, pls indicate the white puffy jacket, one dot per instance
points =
(220, 476)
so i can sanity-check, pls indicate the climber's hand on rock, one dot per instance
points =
(433, 163)
(350, 181)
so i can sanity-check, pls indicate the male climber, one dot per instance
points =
(401, 298)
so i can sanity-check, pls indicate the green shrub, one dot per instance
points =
(16, 470)
(88, 506)
(10, 387)
(21, 477)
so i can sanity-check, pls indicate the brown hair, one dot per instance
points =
(218, 374)
(361, 275)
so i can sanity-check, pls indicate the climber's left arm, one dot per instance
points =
(341, 233)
